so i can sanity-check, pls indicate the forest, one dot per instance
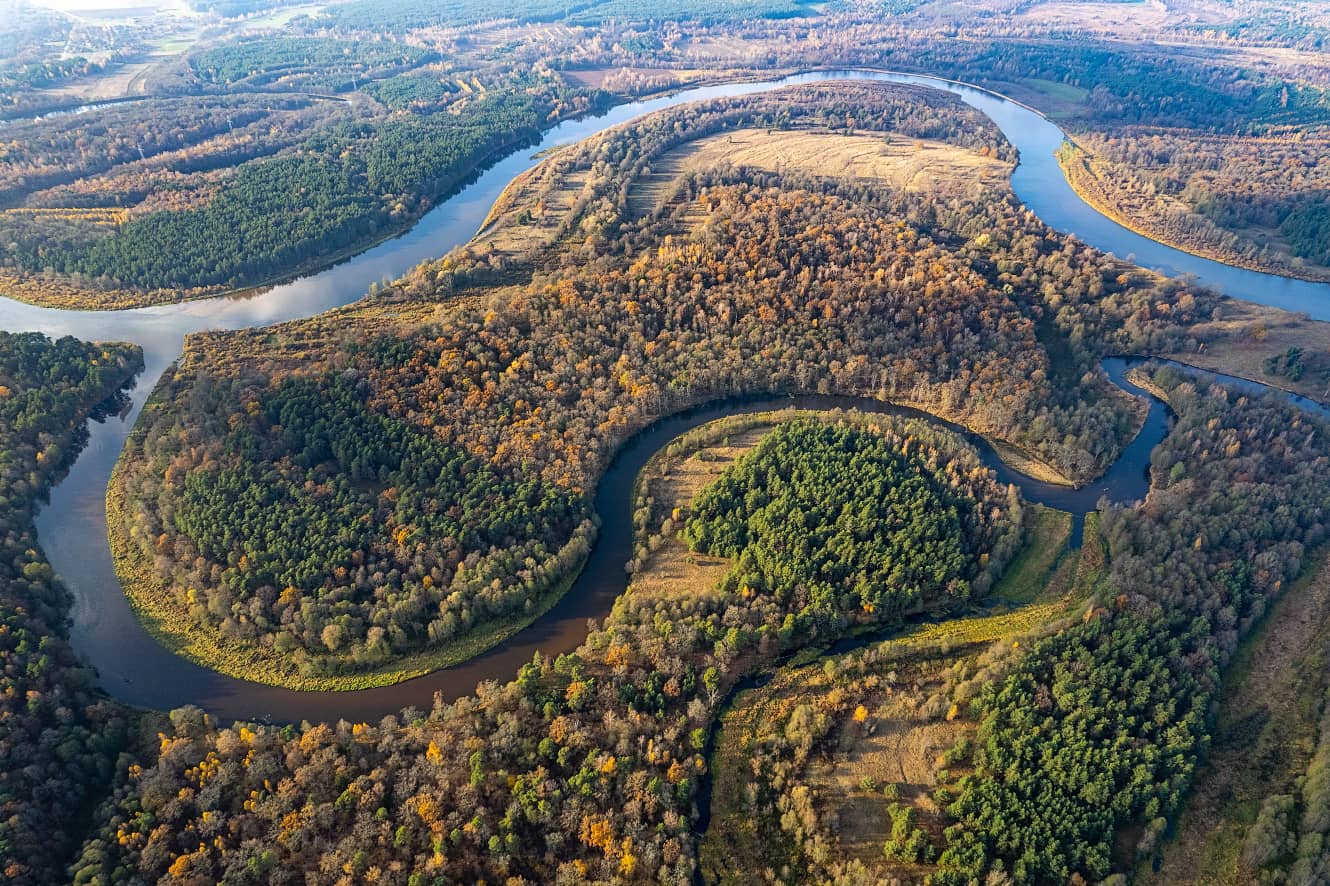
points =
(59, 741)
(803, 518)
(896, 670)
(1053, 733)
(547, 379)
(594, 771)
(355, 184)
(325, 64)
(354, 527)
(531, 779)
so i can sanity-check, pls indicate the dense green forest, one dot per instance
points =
(349, 535)
(58, 740)
(1307, 230)
(831, 521)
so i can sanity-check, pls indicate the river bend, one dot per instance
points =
(133, 667)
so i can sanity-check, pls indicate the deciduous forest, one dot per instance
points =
(836, 648)
(543, 380)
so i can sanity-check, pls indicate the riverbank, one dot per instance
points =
(1078, 167)
(170, 624)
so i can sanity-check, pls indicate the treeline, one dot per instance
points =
(409, 15)
(1301, 26)
(58, 740)
(366, 16)
(305, 62)
(706, 12)
(1290, 840)
(582, 768)
(1259, 200)
(1103, 724)
(1307, 230)
(352, 184)
(818, 289)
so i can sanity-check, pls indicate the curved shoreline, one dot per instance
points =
(73, 528)
(602, 580)
(1108, 210)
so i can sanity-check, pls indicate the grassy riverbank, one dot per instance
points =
(161, 614)
(1079, 168)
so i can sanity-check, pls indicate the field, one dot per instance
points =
(913, 165)
(542, 197)
(1028, 576)
(671, 480)
(1247, 335)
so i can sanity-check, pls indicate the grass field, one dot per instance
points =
(1027, 577)
(902, 746)
(915, 165)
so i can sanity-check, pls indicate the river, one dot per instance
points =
(134, 668)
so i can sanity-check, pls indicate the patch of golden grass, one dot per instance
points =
(1029, 465)
(1239, 343)
(672, 571)
(915, 165)
(95, 215)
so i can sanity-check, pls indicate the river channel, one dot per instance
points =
(134, 668)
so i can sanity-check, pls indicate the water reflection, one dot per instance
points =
(72, 528)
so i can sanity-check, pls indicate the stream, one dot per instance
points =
(134, 668)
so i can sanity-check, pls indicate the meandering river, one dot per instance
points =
(133, 667)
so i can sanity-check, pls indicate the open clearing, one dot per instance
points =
(914, 165)
(1249, 333)
(673, 572)
(534, 212)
